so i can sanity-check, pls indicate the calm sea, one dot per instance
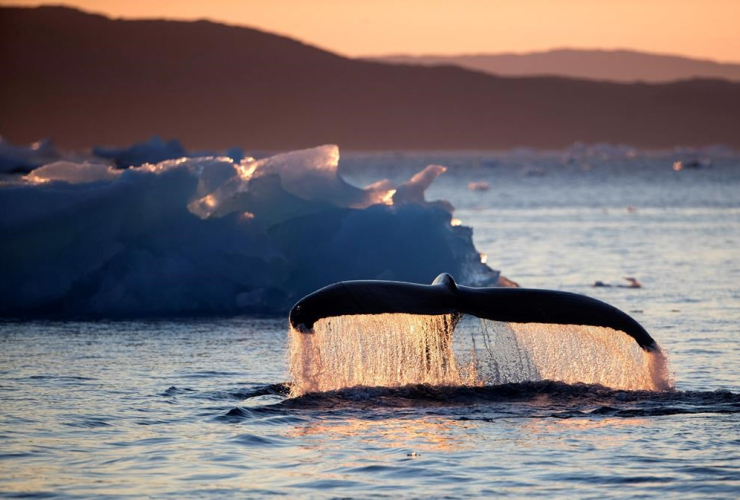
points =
(199, 408)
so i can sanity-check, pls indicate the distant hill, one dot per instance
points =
(85, 79)
(612, 65)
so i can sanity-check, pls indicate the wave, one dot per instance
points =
(542, 399)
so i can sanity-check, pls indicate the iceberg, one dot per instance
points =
(22, 159)
(212, 235)
(156, 150)
(73, 172)
(152, 151)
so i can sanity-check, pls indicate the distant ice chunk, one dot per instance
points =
(73, 173)
(156, 150)
(601, 150)
(478, 186)
(152, 151)
(713, 151)
(22, 159)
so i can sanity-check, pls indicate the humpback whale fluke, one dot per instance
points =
(444, 296)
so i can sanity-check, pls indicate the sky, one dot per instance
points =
(706, 29)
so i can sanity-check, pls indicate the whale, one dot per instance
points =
(445, 296)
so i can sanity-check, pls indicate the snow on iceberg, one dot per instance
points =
(214, 236)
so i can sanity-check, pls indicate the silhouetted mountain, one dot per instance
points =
(613, 65)
(85, 79)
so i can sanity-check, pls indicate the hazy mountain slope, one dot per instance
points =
(85, 79)
(613, 65)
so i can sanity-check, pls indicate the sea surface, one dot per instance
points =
(196, 408)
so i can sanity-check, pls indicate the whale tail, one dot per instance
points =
(444, 296)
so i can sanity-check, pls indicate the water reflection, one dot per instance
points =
(430, 433)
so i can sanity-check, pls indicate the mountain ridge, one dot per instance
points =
(87, 79)
(618, 65)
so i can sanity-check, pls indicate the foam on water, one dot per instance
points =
(394, 350)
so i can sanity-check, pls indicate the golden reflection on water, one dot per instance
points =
(430, 434)
(534, 433)
(380, 438)
(417, 437)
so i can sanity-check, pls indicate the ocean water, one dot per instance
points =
(201, 408)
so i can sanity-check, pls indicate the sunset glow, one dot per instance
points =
(702, 29)
(201, 297)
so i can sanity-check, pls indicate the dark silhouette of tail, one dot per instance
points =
(444, 296)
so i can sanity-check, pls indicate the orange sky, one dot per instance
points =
(697, 28)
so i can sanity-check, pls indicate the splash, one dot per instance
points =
(389, 350)
(394, 350)
(516, 352)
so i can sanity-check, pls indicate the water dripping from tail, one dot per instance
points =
(395, 350)
(388, 350)
(530, 352)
